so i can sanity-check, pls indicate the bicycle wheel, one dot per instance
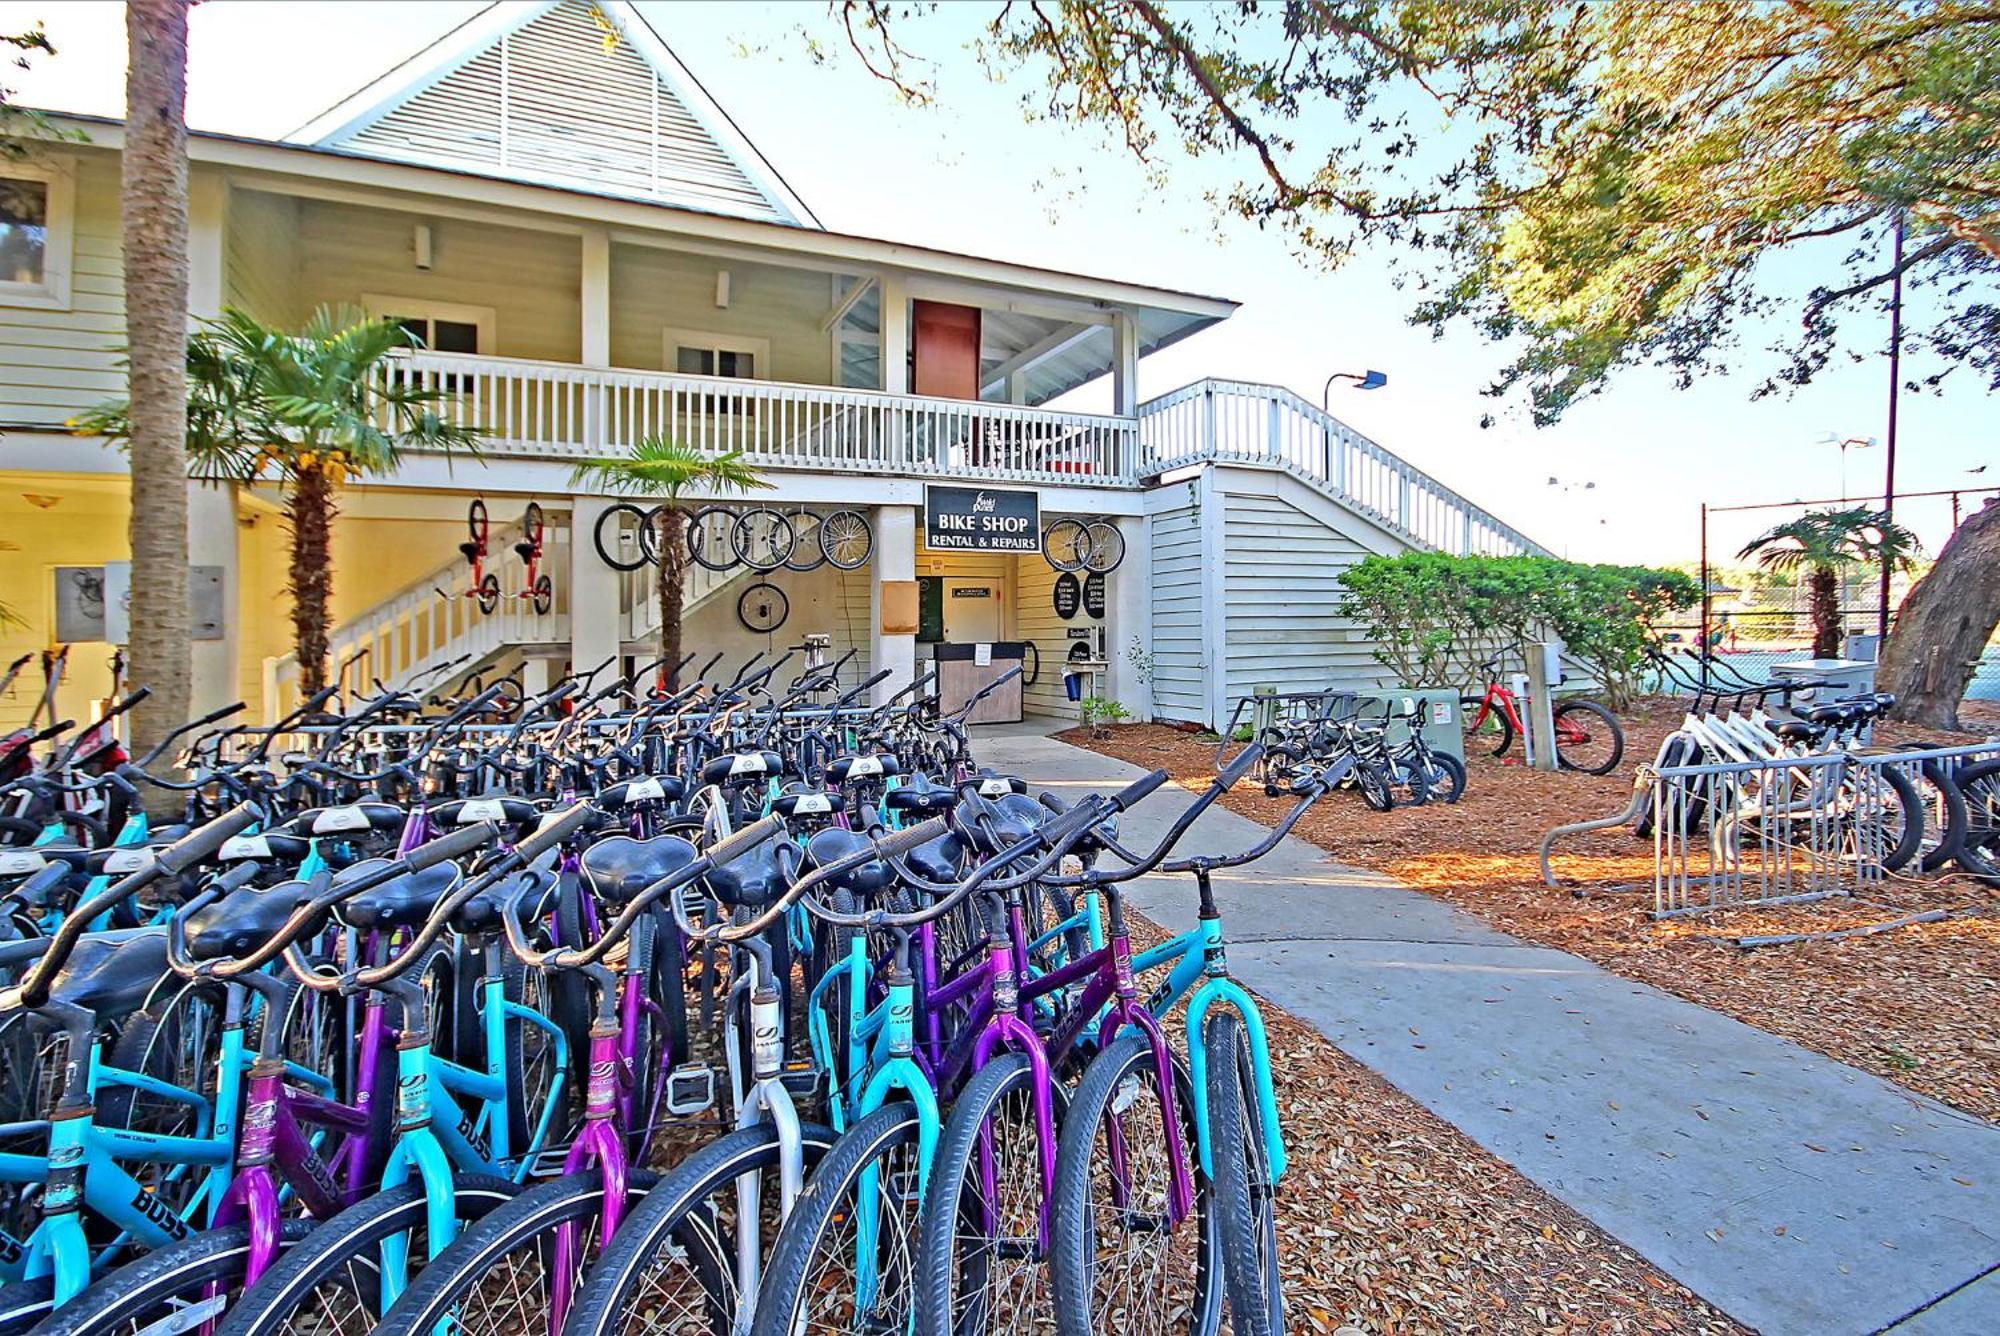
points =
(331, 1282)
(1978, 849)
(846, 539)
(179, 1288)
(845, 1259)
(709, 533)
(807, 552)
(543, 595)
(489, 593)
(1066, 545)
(981, 1259)
(1495, 730)
(1245, 1191)
(1588, 738)
(762, 539)
(619, 537)
(511, 1272)
(1373, 781)
(672, 1265)
(1107, 547)
(1447, 778)
(1116, 1262)
(1886, 823)
(477, 525)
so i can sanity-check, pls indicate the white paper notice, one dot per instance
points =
(982, 655)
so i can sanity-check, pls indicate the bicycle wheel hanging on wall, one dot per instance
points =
(846, 539)
(544, 595)
(1066, 545)
(762, 539)
(616, 537)
(763, 608)
(1106, 547)
(489, 593)
(807, 554)
(709, 533)
(476, 523)
(1031, 663)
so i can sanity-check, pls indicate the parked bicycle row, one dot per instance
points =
(735, 1006)
(1380, 745)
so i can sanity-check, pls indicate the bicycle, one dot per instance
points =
(1588, 738)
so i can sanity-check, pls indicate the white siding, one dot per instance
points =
(550, 103)
(55, 363)
(261, 257)
(1180, 671)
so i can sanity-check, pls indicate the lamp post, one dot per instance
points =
(1363, 380)
(1895, 378)
(1851, 443)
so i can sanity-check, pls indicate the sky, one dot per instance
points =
(970, 173)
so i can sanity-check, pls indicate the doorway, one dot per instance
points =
(974, 611)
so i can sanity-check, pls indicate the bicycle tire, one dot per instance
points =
(1469, 711)
(1951, 818)
(807, 554)
(612, 515)
(1452, 772)
(1073, 1264)
(533, 525)
(23, 1304)
(1245, 1204)
(762, 538)
(1978, 852)
(478, 525)
(1610, 723)
(529, 1224)
(344, 1247)
(1066, 544)
(956, 1210)
(864, 1146)
(847, 539)
(1373, 783)
(488, 593)
(677, 1214)
(543, 595)
(1909, 839)
(170, 1285)
(1107, 547)
(709, 538)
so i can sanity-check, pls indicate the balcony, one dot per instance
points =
(561, 411)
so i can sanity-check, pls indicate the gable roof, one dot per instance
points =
(569, 93)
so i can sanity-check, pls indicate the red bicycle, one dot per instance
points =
(538, 589)
(484, 587)
(1588, 738)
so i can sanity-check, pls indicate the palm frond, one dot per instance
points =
(668, 469)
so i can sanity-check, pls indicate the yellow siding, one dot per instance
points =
(261, 257)
(531, 280)
(653, 291)
(1035, 581)
(53, 363)
(86, 527)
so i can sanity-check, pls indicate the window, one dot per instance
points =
(36, 218)
(694, 353)
(444, 327)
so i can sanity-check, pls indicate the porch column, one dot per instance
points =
(892, 600)
(212, 507)
(595, 296)
(595, 632)
(895, 334)
(1124, 364)
(1128, 607)
(537, 676)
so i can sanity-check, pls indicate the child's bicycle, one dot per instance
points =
(1587, 735)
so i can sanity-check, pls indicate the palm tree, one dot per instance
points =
(663, 468)
(310, 410)
(1826, 544)
(154, 209)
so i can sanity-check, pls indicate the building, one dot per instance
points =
(592, 253)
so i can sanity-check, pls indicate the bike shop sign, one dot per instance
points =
(981, 519)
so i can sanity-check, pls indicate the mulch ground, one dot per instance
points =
(1919, 1005)
(1393, 1221)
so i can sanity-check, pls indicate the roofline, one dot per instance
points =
(225, 150)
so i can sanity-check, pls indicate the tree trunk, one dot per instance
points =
(1826, 612)
(154, 209)
(1945, 623)
(673, 587)
(309, 512)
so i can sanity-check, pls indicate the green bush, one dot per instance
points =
(1434, 618)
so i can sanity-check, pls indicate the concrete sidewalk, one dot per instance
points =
(1797, 1194)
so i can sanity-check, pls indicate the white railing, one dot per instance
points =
(639, 596)
(1265, 424)
(557, 410)
(418, 628)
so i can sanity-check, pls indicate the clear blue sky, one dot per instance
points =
(970, 174)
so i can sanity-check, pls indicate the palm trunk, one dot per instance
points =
(1826, 612)
(673, 587)
(153, 205)
(309, 512)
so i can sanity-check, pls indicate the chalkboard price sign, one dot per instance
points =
(1068, 595)
(1093, 595)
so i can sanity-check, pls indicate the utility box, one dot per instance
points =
(1443, 728)
(1826, 680)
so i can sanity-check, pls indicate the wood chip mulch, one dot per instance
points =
(1919, 1005)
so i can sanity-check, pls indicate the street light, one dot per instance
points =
(1363, 380)
(1851, 443)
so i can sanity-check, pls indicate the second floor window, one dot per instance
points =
(34, 236)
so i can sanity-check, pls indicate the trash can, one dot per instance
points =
(1073, 686)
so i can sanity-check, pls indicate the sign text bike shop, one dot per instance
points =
(981, 519)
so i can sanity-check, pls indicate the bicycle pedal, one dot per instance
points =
(801, 1080)
(551, 1163)
(690, 1090)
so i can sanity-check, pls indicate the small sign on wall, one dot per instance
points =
(1093, 595)
(1068, 595)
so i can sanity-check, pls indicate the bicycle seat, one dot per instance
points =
(347, 819)
(804, 804)
(920, 795)
(244, 920)
(272, 848)
(525, 550)
(1797, 730)
(989, 784)
(865, 879)
(941, 860)
(120, 860)
(481, 914)
(646, 788)
(472, 551)
(758, 877)
(516, 817)
(111, 973)
(401, 902)
(618, 868)
(742, 767)
(879, 765)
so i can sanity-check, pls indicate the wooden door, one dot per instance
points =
(945, 349)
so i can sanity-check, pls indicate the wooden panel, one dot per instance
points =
(944, 339)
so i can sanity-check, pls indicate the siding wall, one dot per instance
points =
(532, 280)
(261, 257)
(823, 602)
(54, 363)
(653, 291)
(1036, 581)
(1180, 662)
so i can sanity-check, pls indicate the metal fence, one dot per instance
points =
(1793, 829)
